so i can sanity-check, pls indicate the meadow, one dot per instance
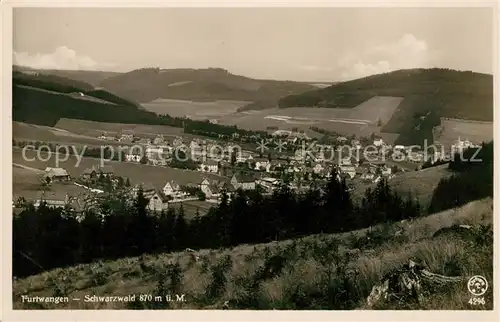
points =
(420, 184)
(361, 120)
(136, 173)
(335, 272)
(452, 129)
(95, 129)
(31, 132)
(193, 109)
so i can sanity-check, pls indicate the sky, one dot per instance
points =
(313, 44)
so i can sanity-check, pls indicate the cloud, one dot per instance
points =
(407, 52)
(62, 58)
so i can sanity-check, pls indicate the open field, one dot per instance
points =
(31, 132)
(137, 173)
(306, 280)
(451, 129)
(420, 183)
(191, 206)
(91, 128)
(27, 183)
(192, 109)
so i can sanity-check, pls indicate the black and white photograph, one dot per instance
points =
(252, 158)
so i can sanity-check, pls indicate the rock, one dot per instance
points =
(460, 231)
(406, 284)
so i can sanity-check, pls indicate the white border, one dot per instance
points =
(7, 314)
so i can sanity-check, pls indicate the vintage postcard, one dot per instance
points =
(225, 158)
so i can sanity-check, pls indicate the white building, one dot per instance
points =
(378, 142)
(209, 166)
(133, 157)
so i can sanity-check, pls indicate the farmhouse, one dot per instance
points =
(211, 189)
(56, 174)
(148, 190)
(171, 188)
(243, 181)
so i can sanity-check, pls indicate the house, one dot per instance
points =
(104, 136)
(148, 190)
(144, 141)
(318, 168)
(378, 142)
(159, 139)
(106, 171)
(171, 188)
(243, 157)
(349, 170)
(261, 164)
(89, 173)
(386, 171)
(209, 166)
(56, 174)
(346, 161)
(243, 181)
(356, 144)
(268, 183)
(158, 202)
(399, 147)
(341, 139)
(126, 136)
(367, 176)
(211, 190)
(177, 141)
(153, 152)
(133, 157)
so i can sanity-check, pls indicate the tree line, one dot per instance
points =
(46, 238)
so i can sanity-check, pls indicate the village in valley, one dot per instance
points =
(281, 158)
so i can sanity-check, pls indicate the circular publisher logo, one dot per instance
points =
(477, 285)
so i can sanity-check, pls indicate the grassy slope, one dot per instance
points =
(445, 93)
(420, 183)
(452, 92)
(67, 85)
(302, 279)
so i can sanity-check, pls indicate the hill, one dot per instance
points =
(148, 84)
(65, 85)
(429, 94)
(87, 76)
(315, 272)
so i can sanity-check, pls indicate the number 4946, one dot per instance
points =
(477, 301)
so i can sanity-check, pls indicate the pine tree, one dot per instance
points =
(181, 229)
